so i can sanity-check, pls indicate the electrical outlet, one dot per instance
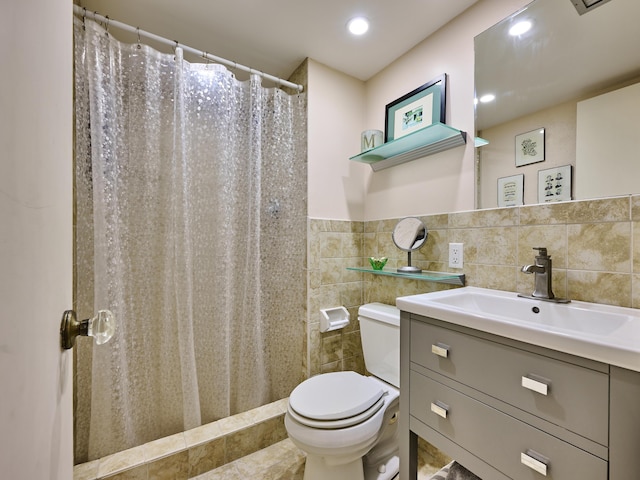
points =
(456, 255)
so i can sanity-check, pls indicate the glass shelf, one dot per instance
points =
(436, 277)
(432, 139)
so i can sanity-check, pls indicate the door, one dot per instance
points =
(35, 238)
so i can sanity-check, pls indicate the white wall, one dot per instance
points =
(443, 182)
(341, 107)
(607, 130)
(335, 119)
(35, 238)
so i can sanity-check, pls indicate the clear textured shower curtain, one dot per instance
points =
(191, 228)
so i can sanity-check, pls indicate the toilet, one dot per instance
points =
(346, 423)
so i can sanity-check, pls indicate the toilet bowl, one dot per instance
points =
(346, 423)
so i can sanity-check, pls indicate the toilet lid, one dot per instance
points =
(334, 396)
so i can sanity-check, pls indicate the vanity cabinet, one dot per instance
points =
(510, 410)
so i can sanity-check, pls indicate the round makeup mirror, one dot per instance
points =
(409, 235)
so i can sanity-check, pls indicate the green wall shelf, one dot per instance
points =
(432, 139)
(436, 277)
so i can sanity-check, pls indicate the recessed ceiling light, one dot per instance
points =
(358, 25)
(520, 28)
(489, 97)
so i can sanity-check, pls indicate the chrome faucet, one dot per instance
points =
(542, 271)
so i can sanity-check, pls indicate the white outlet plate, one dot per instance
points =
(456, 255)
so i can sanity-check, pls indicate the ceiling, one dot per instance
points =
(583, 55)
(275, 36)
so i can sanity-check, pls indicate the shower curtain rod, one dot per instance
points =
(123, 26)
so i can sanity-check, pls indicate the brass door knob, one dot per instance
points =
(101, 327)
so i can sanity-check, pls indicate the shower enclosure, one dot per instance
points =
(191, 228)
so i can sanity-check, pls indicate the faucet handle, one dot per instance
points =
(542, 251)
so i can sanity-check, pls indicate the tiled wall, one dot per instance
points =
(594, 245)
(333, 246)
(188, 454)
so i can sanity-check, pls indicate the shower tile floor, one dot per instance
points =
(281, 461)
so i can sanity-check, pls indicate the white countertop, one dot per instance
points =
(603, 333)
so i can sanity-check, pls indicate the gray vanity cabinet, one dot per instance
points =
(510, 410)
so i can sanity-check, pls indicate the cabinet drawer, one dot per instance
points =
(518, 450)
(573, 397)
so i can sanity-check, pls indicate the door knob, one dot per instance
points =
(101, 327)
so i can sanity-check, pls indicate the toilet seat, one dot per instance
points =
(336, 400)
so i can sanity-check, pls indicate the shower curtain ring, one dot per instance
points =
(138, 33)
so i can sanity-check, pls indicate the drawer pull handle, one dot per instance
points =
(535, 385)
(440, 409)
(440, 349)
(535, 461)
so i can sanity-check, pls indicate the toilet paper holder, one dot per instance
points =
(333, 318)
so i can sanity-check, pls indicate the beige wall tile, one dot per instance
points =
(202, 434)
(352, 245)
(136, 473)
(592, 238)
(636, 247)
(331, 367)
(350, 295)
(435, 249)
(330, 245)
(330, 271)
(599, 246)
(545, 214)
(127, 459)
(354, 364)
(600, 287)
(497, 277)
(280, 461)
(331, 347)
(206, 456)
(174, 467)
(468, 237)
(351, 344)
(227, 472)
(635, 288)
(165, 446)
(615, 209)
(438, 221)
(497, 217)
(553, 237)
(86, 471)
(496, 246)
(635, 208)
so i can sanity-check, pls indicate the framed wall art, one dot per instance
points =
(511, 191)
(417, 109)
(530, 147)
(554, 184)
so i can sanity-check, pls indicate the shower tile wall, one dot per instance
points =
(595, 246)
(333, 246)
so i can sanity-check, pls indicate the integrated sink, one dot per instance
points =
(600, 332)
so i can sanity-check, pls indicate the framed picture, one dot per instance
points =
(554, 184)
(511, 191)
(417, 109)
(530, 147)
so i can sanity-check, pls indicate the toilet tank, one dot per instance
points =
(380, 334)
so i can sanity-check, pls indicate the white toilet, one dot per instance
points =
(346, 423)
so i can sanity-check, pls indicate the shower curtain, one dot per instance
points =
(191, 228)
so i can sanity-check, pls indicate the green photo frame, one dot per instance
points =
(416, 110)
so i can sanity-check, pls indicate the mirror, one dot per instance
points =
(409, 235)
(541, 78)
